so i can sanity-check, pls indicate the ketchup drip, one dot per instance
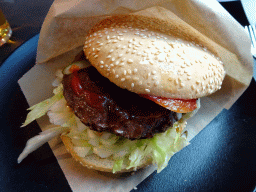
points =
(92, 99)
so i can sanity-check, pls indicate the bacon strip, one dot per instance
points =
(176, 105)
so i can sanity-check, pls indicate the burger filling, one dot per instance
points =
(103, 106)
(107, 121)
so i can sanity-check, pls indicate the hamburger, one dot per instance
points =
(125, 104)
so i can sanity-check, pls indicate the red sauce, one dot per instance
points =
(76, 85)
(92, 99)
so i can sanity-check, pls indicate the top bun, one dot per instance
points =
(150, 56)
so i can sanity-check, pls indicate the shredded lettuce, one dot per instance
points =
(40, 109)
(37, 141)
(131, 154)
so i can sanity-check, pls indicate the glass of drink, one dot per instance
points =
(5, 29)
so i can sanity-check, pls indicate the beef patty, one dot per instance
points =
(103, 106)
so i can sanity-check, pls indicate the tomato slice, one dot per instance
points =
(176, 105)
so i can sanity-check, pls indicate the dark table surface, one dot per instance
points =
(221, 158)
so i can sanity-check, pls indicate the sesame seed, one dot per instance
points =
(114, 41)
(113, 59)
(129, 61)
(111, 50)
(125, 72)
(147, 90)
(193, 87)
(182, 84)
(109, 56)
(153, 72)
(123, 79)
(101, 66)
(95, 56)
(135, 70)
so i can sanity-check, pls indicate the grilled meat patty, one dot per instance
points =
(103, 106)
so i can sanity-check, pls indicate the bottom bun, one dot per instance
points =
(95, 162)
(104, 164)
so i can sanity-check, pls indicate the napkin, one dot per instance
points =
(62, 37)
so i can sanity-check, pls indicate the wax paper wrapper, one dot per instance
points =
(61, 40)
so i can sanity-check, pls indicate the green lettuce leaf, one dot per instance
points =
(40, 109)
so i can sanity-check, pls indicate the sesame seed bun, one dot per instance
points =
(151, 56)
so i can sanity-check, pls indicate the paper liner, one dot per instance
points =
(62, 37)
